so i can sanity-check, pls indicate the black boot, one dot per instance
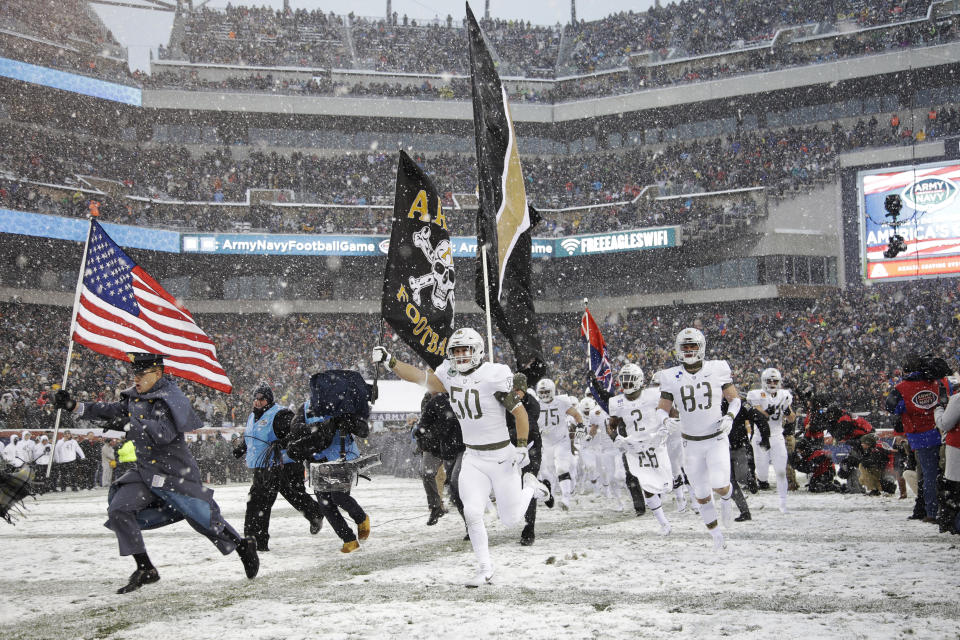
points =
(247, 550)
(139, 578)
(527, 536)
(315, 526)
(948, 495)
(435, 514)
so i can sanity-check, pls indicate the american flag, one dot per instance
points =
(597, 353)
(123, 309)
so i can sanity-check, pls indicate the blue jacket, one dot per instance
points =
(259, 435)
(332, 452)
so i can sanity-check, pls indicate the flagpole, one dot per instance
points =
(73, 322)
(486, 293)
(586, 321)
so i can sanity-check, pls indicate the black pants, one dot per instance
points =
(286, 479)
(429, 467)
(738, 496)
(331, 503)
(530, 517)
(66, 474)
(633, 486)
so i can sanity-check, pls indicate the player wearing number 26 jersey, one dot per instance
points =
(634, 429)
(695, 389)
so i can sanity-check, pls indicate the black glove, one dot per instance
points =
(943, 396)
(240, 450)
(62, 400)
(765, 444)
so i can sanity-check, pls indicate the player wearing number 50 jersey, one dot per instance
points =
(634, 429)
(481, 394)
(695, 389)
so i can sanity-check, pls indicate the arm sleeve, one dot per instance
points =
(281, 424)
(894, 402)
(947, 421)
(600, 391)
(762, 423)
(102, 410)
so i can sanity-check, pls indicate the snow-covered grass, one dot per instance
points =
(836, 566)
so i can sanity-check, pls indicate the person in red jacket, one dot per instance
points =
(914, 399)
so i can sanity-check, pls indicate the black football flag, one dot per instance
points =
(418, 285)
(504, 219)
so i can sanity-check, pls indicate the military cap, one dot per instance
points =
(141, 362)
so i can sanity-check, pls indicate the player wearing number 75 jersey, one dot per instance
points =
(634, 429)
(695, 389)
(480, 394)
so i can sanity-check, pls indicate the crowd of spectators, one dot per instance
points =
(782, 161)
(252, 36)
(849, 344)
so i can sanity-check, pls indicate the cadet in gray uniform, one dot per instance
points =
(164, 486)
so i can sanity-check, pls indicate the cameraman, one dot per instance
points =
(914, 399)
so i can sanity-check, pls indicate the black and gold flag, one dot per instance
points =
(504, 219)
(418, 285)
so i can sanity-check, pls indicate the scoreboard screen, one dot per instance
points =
(930, 221)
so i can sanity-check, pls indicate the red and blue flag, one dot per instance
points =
(597, 353)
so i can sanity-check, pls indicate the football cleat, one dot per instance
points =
(665, 529)
(483, 576)
(719, 544)
(743, 517)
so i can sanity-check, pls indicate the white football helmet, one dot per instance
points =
(630, 377)
(546, 390)
(694, 337)
(587, 406)
(473, 358)
(771, 379)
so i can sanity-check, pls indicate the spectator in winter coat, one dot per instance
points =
(108, 462)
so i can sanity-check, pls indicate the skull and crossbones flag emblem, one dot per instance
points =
(420, 278)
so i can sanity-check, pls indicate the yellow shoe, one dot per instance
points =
(363, 529)
(347, 547)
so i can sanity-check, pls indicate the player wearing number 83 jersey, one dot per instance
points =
(695, 389)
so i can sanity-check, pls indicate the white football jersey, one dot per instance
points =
(646, 455)
(697, 396)
(600, 440)
(483, 420)
(639, 415)
(775, 406)
(553, 420)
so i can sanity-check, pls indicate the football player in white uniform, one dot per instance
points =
(600, 454)
(675, 449)
(695, 389)
(480, 395)
(776, 403)
(557, 437)
(635, 431)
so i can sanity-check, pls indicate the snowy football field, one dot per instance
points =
(837, 566)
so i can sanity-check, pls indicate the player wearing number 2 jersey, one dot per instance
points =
(634, 429)
(480, 395)
(695, 389)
